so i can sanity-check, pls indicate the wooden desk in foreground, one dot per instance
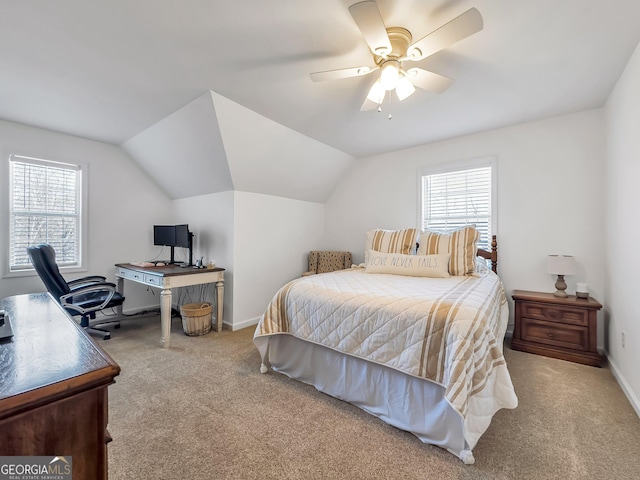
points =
(53, 387)
(166, 278)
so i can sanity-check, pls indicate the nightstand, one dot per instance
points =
(564, 328)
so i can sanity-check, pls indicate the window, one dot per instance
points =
(457, 195)
(44, 207)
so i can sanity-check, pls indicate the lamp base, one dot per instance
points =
(561, 286)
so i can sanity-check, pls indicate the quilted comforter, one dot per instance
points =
(446, 330)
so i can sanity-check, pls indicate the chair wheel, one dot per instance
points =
(107, 337)
(117, 325)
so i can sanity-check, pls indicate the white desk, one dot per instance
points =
(169, 277)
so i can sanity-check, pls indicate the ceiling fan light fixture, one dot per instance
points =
(405, 88)
(376, 93)
(390, 74)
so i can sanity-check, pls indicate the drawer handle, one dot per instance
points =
(551, 335)
(552, 313)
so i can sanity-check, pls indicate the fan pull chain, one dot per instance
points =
(389, 102)
(389, 117)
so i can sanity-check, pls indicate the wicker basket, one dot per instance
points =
(196, 318)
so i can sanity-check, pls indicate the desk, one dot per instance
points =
(166, 278)
(53, 387)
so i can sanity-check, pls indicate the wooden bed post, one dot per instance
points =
(494, 254)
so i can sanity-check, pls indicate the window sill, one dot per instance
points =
(32, 273)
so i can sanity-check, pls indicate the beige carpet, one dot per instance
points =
(202, 410)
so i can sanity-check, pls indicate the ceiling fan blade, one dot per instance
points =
(367, 17)
(341, 73)
(430, 81)
(460, 27)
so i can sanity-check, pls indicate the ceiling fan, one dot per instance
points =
(392, 46)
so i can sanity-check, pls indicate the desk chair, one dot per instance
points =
(83, 296)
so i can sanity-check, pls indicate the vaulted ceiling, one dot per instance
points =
(110, 70)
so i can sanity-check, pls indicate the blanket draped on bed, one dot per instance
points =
(447, 331)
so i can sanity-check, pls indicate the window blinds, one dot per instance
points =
(45, 208)
(453, 200)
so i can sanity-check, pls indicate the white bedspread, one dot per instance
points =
(447, 331)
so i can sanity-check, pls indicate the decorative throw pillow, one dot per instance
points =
(481, 266)
(435, 266)
(461, 244)
(391, 241)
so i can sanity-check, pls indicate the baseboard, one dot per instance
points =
(135, 311)
(152, 309)
(244, 324)
(625, 386)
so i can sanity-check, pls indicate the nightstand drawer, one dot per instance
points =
(553, 313)
(558, 335)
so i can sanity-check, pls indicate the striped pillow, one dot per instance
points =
(461, 244)
(391, 241)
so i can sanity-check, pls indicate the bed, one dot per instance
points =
(423, 354)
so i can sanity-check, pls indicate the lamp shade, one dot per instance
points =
(405, 88)
(561, 265)
(377, 93)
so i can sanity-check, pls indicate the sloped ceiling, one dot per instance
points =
(266, 157)
(184, 152)
(213, 145)
(109, 70)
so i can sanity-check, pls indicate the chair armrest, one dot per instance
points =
(81, 286)
(86, 280)
(67, 300)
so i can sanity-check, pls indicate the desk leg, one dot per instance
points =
(220, 299)
(120, 290)
(165, 316)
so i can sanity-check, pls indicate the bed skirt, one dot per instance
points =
(409, 403)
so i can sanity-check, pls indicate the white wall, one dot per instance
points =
(261, 241)
(550, 197)
(623, 229)
(211, 219)
(123, 204)
(273, 237)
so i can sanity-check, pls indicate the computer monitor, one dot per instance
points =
(183, 238)
(174, 236)
(164, 235)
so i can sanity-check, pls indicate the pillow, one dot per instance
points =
(482, 266)
(461, 244)
(391, 241)
(435, 266)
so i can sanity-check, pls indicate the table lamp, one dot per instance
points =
(561, 265)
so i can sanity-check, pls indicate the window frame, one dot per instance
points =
(459, 166)
(82, 169)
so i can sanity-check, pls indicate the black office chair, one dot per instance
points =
(83, 296)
